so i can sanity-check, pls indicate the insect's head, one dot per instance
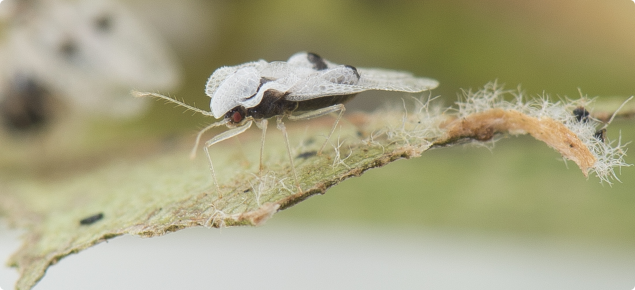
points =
(236, 89)
(236, 116)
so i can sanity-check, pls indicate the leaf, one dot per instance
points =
(166, 191)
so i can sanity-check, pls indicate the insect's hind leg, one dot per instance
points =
(262, 124)
(286, 141)
(220, 137)
(319, 113)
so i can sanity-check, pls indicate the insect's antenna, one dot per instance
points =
(200, 134)
(155, 95)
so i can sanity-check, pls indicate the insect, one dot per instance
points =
(88, 53)
(304, 87)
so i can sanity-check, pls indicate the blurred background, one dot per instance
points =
(519, 217)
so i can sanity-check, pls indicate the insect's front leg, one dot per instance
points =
(200, 134)
(262, 124)
(220, 137)
(319, 113)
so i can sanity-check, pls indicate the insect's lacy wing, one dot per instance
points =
(340, 80)
(389, 80)
(322, 89)
(222, 73)
(370, 79)
(276, 70)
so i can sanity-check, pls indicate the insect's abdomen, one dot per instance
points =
(323, 102)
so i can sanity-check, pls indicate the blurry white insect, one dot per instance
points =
(24, 104)
(304, 87)
(89, 53)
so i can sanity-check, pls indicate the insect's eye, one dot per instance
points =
(236, 117)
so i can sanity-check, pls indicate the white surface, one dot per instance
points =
(283, 256)
(9, 243)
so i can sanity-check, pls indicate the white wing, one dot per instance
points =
(235, 90)
(389, 80)
(222, 73)
(369, 79)
(310, 61)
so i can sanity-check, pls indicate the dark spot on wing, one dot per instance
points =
(103, 23)
(91, 219)
(25, 105)
(317, 61)
(581, 114)
(69, 48)
(354, 70)
(306, 155)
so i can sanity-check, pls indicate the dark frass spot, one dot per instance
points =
(91, 219)
(306, 155)
(581, 114)
(600, 135)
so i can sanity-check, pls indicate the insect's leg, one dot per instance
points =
(319, 113)
(262, 125)
(200, 134)
(145, 94)
(286, 141)
(220, 137)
